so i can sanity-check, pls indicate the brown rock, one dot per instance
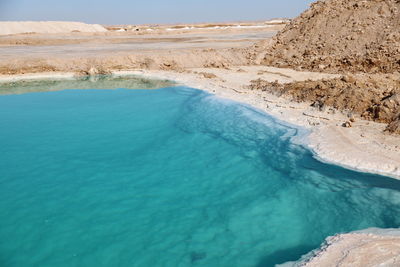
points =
(394, 126)
(347, 124)
(208, 75)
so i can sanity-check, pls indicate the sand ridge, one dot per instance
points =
(18, 27)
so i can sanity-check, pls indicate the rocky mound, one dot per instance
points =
(17, 27)
(341, 35)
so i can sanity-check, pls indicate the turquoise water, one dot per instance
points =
(168, 177)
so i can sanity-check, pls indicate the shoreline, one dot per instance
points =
(363, 147)
(328, 141)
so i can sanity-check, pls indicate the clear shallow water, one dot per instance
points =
(169, 177)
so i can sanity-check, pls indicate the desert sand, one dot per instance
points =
(232, 62)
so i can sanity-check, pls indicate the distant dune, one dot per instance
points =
(16, 27)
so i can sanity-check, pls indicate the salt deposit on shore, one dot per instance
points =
(362, 147)
(351, 250)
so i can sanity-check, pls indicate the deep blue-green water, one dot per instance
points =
(168, 177)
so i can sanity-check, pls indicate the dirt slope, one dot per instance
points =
(341, 35)
(372, 96)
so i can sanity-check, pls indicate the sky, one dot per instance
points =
(150, 11)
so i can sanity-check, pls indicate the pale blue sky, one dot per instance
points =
(149, 11)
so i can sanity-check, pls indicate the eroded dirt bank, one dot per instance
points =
(373, 97)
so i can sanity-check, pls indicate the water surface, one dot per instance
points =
(168, 177)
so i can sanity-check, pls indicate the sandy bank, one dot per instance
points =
(18, 27)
